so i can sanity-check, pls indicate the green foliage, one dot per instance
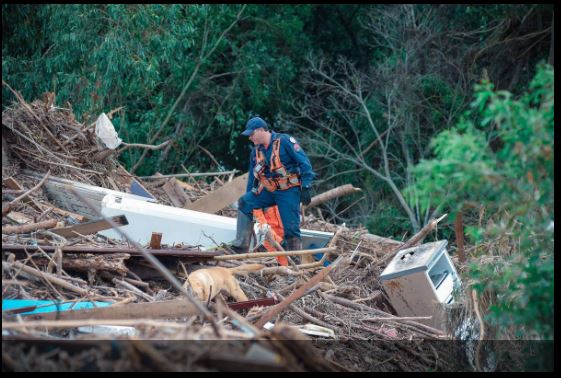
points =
(500, 156)
(387, 221)
(98, 57)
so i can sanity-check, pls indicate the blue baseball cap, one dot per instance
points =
(254, 124)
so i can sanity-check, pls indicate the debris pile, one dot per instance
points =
(332, 315)
(46, 137)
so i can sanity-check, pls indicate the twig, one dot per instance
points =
(132, 288)
(148, 146)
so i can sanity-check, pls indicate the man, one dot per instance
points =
(280, 174)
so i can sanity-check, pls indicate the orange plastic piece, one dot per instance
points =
(271, 216)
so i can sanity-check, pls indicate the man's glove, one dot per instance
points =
(305, 196)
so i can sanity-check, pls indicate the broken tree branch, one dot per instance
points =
(339, 191)
(415, 239)
(147, 146)
(10, 205)
(23, 229)
(46, 276)
(110, 263)
(301, 291)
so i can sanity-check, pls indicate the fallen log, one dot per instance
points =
(110, 263)
(379, 239)
(153, 310)
(25, 228)
(339, 191)
(90, 227)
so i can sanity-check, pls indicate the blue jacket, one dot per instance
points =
(292, 157)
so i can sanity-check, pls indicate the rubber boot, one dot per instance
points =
(295, 244)
(244, 230)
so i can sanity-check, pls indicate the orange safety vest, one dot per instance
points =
(271, 216)
(285, 181)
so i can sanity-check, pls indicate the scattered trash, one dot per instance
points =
(105, 131)
(105, 287)
(109, 330)
(34, 306)
(420, 281)
(315, 330)
(258, 353)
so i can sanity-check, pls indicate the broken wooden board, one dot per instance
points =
(176, 194)
(222, 197)
(150, 310)
(58, 191)
(156, 240)
(90, 227)
(64, 213)
(19, 218)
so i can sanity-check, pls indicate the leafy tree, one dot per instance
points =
(500, 157)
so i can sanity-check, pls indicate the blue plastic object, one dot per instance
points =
(48, 305)
(319, 256)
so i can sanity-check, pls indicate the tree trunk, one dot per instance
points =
(459, 229)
